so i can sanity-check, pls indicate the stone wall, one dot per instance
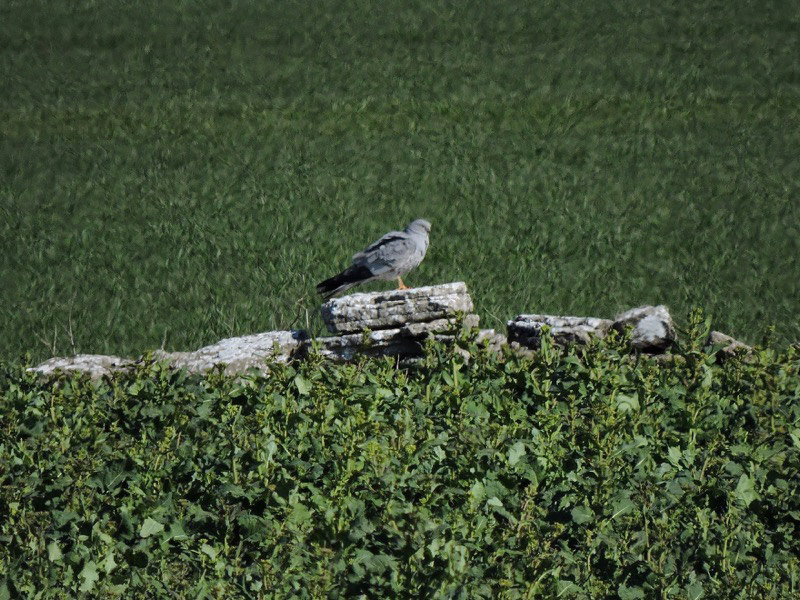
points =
(397, 323)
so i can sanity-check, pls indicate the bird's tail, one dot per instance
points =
(351, 276)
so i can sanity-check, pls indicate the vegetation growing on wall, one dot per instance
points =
(582, 473)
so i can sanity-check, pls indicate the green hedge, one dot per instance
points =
(576, 474)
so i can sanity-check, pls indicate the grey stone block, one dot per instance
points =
(396, 308)
(653, 329)
(526, 330)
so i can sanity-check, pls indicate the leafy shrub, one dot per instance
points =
(581, 473)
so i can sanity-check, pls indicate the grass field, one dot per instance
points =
(174, 173)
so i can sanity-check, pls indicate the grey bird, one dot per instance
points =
(390, 257)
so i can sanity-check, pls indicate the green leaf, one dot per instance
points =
(708, 377)
(745, 490)
(61, 518)
(376, 563)
(622, 507)
(109, 564)
(434, 546)
(113, 476)
(627, 403)
(53, 551)
(299, 515)
(629, 593)
(494, 501)
(795, 435)
(176, 532)
(89, 575)
(516, 452)
(582, 514)
(694, 591)
(674, 454)
(566, 589)
(101, 535)
(150, 527)
(303, 386)
(477, 493)
(208, 551)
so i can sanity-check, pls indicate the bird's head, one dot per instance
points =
(419, 226)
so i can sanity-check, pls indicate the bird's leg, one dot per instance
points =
(401, 285)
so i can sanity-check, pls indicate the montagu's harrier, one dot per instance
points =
(390, 257)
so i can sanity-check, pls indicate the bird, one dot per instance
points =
(389, 257)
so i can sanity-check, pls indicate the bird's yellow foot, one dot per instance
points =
(401, 285)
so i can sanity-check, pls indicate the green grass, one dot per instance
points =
(175, 173)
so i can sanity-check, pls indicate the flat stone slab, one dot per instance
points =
(393, 309)
(526, 330)
(240, 353)
(653, 329)
(96, 365)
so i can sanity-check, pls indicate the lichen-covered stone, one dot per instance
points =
(526, 330)
(731, 347)
(386, 342)
(438, 326)
(240, 353)
(402, 342)
(96, 365)
(653, 329)
(495, 340)
(396, 308)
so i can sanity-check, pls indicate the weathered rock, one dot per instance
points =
(403, 342)
(732, 346)
(241, 353)
(653, 330)
(495, 340)
(96, 365)
(386, 342)
(238, 354)
(526, 330)
(437, 326)
(396, 308)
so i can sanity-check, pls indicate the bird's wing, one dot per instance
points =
(390, 237)
(393, 249)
